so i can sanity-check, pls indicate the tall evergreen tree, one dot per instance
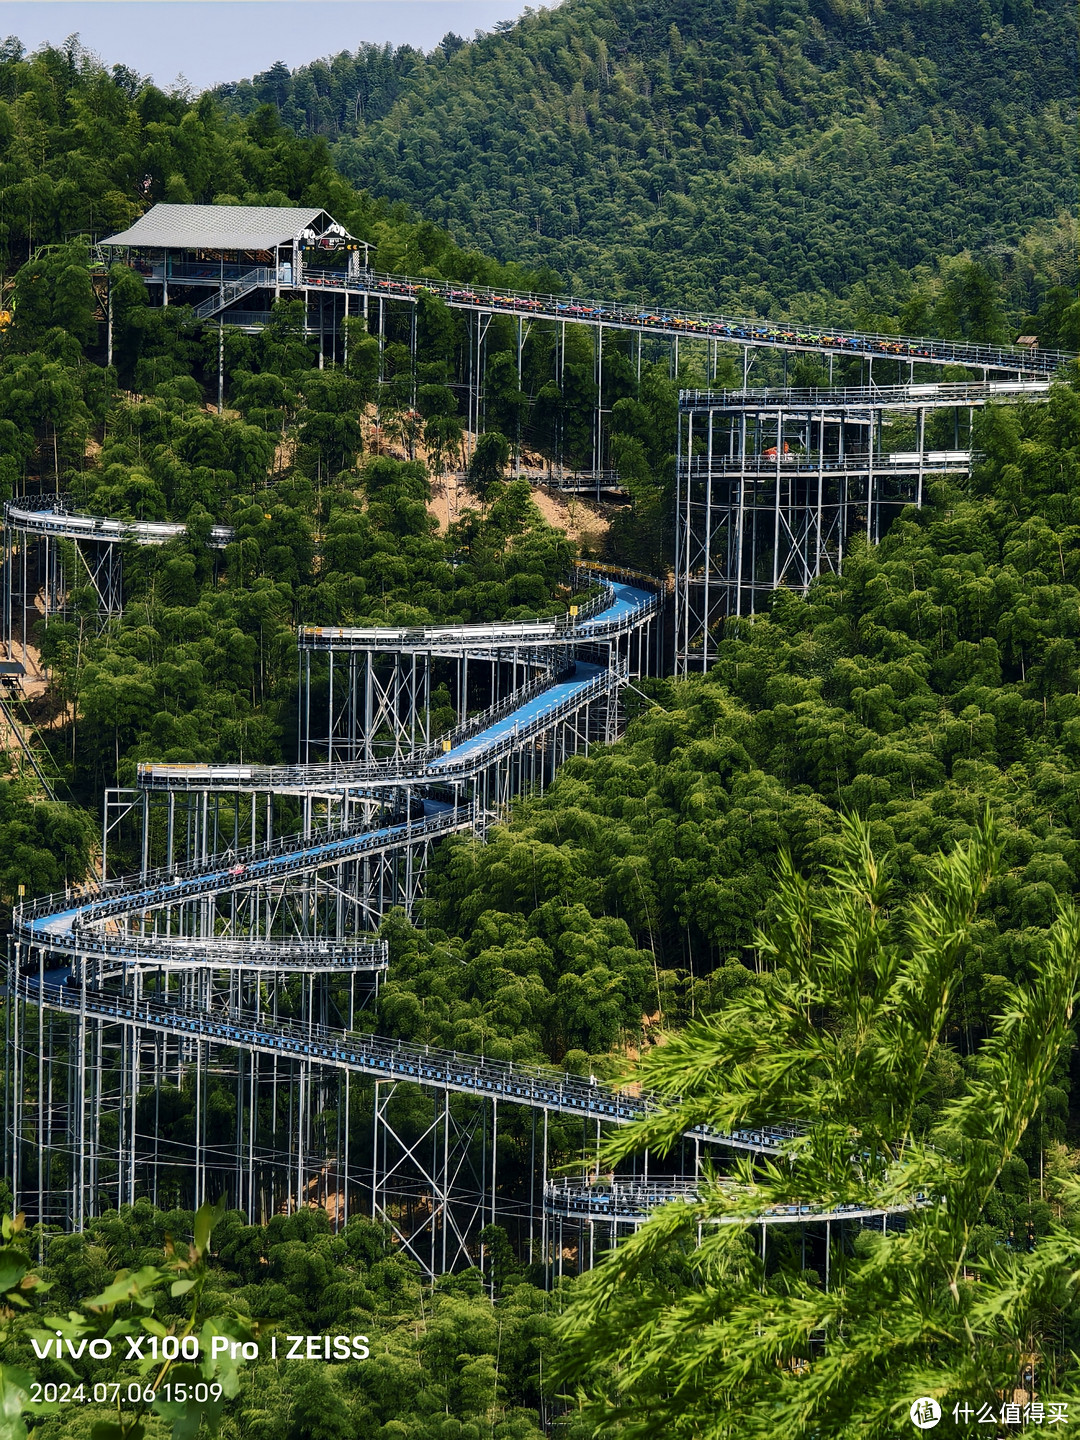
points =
(848, 1039)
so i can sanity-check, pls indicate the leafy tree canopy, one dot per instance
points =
(847, 1036)
(793, 158)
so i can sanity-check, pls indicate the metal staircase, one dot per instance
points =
(233, 290)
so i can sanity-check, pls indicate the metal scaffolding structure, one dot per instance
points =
(588, 1215)
(52, 552)
(192, 1023)
(231, 264)
(193, 1028)
(772, 485)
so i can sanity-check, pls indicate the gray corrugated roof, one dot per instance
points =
(216, 227)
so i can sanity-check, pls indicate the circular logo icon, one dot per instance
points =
(925, 1413)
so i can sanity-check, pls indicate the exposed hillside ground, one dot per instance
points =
(763, 154)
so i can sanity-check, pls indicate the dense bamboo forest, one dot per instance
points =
(835, 875)
(817, 161)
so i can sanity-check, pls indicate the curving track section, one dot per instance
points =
(77, 955)
(140, 955)
(42, 924)
(86, 926)
(560, 687)
(471, 750)
(52, 516)
(96, 543)
(98, 957)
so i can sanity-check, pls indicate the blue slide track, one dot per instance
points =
(476, 744)
(562, 695)
(53, 928)
(157, 890)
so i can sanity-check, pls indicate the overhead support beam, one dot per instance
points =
(772, 484)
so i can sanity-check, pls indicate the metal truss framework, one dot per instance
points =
(191, 1028)
(52, 552)
(197, 1028)
(241, 296)
(587, 1216)
(771, 487)
(373, 291)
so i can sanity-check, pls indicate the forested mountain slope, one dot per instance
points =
(939, 674)
(84, 150)
(327, 526)
(204, 657)
(766, 154)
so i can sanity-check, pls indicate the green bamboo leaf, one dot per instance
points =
(206, 1218)
(14, 1399)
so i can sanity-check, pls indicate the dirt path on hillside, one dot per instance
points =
(585, 522)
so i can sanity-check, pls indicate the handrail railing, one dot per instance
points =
(562, 629)
(578, 480)
(29, 503)
(429, 763)
(865, 397)
(626, 1198)
(222, 953)
(743, 329)
(385, 639)
(230, 290)
(207, 272)
(621, 573)
(853, 460)
(484, 631)
(422, 1064)
(52, 514)
(226, 870)
(670, 319)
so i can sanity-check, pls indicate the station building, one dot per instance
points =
(231, 262)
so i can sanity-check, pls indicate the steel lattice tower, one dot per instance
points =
(773, 485)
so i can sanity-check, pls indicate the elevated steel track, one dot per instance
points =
(176, 961)
(674, 323)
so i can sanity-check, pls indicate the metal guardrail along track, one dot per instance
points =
(672, 322)
(70, 924)
(75, 927)
(232, 282)
(383, 1059)
(52, 515)
(628, 1201)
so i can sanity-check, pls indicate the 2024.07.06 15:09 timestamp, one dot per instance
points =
(119, 1393)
